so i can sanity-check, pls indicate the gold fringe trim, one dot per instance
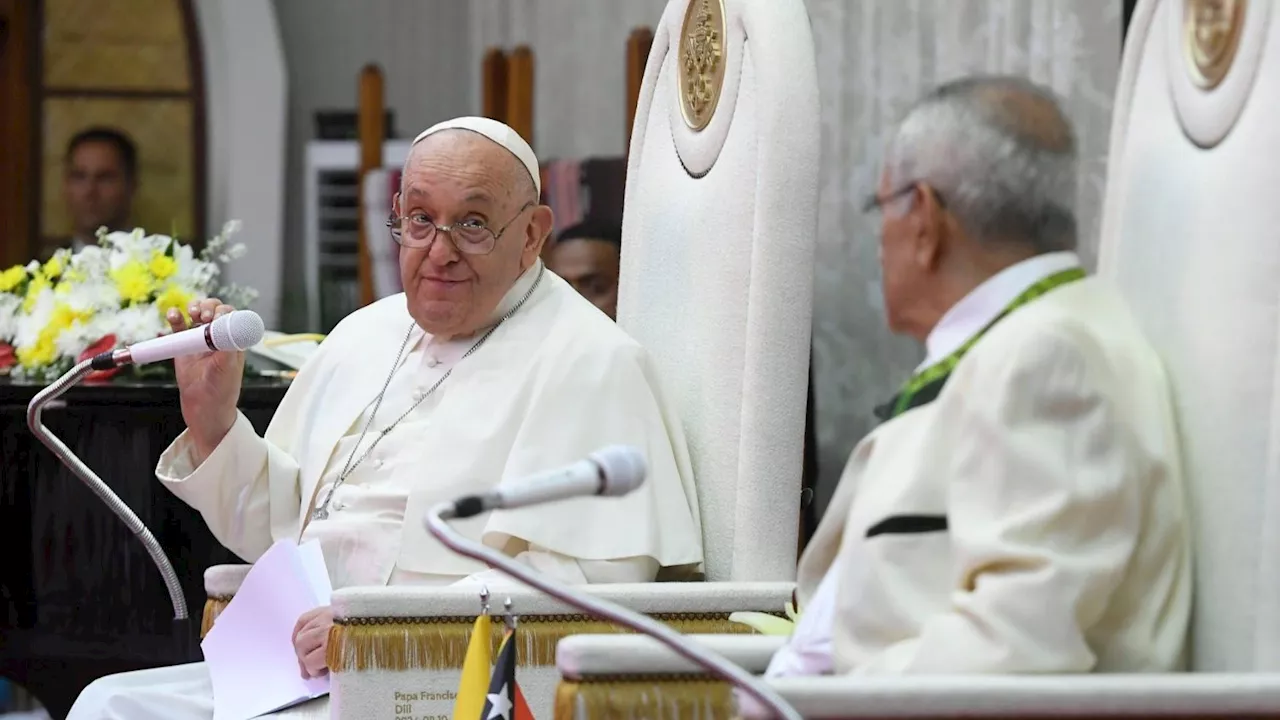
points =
(213, 607)
(398, 644)
(650, 698)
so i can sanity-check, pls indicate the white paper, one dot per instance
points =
(249, 651)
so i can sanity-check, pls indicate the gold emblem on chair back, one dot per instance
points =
(1211, 36)
(701, 61)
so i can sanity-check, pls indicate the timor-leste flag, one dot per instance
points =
(475, 670)
(504, 700)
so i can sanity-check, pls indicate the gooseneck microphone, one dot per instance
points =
(611, 471)
(236, 331)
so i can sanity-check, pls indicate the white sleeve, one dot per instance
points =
(237, 489)
(572, 571)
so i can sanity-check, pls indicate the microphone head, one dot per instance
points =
(237, 330)
(622, 467)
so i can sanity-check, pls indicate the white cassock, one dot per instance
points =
(1030, 519)
(553, 383)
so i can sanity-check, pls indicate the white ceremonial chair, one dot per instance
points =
(1190, 235)
(717, 267)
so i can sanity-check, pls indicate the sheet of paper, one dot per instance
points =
(249, 651)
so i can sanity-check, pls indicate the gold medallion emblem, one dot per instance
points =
(701, 61)
(1210, 37)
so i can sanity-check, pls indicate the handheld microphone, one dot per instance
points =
(233, 332)
(610, 472)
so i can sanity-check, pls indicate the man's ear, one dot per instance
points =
(930, 227)
(395, 204)
(540, 223)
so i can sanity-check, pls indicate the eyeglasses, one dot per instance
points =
(471, 237)
(877, 202)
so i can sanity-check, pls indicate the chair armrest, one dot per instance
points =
(682, 598)
(1168, 695)
(583, 657)
(221, 582)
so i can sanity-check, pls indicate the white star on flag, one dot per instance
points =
(501, 704)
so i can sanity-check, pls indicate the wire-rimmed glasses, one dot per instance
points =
(471, 237)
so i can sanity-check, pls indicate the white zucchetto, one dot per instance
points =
(497, 132)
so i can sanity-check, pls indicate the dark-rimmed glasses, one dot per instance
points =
(471, 237)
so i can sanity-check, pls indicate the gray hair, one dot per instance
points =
(1000, 154)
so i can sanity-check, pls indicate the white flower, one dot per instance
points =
(30, 324)
(9, 306)
(75, 339)
(95, 296)
(33, 266)
(91, 261)
(138, 323)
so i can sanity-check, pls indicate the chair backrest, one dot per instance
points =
(1191, 233)
(718, 235)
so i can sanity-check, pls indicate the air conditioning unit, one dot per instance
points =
(332, 217)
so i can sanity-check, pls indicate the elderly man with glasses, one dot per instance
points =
(487, 369)
(1020, 509)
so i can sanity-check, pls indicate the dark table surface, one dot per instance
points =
(79, 596)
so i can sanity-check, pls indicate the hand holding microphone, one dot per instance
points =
(208, 383)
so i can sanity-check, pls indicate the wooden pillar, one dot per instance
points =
(520, 92)
(371, 128)
(493, 90)
(638, 44)
(17, 131)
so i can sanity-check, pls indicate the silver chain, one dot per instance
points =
(352, 463)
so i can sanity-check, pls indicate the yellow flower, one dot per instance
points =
(64, 316)
(174, 297)
(53, 268)
(12, 278)
(133, 282)
(39, 283)
(162, 266)
(42, 353)
(74, 276)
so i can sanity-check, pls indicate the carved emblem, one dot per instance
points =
(1211, 35)
(701, 61)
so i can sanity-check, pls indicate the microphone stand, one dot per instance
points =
(105, 494)
(713, 663)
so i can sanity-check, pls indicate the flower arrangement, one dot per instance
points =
(105, 296)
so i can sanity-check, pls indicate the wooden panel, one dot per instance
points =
(116, 44)
(17, 129)
(638, 44)
(493, 88)
(371, 129)
(520, 93)
(162, 129)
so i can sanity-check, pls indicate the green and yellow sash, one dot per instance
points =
(925, 386)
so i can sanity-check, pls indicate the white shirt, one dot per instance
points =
(808, 652)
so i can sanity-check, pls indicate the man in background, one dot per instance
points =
(100, 176)
(586, 256)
